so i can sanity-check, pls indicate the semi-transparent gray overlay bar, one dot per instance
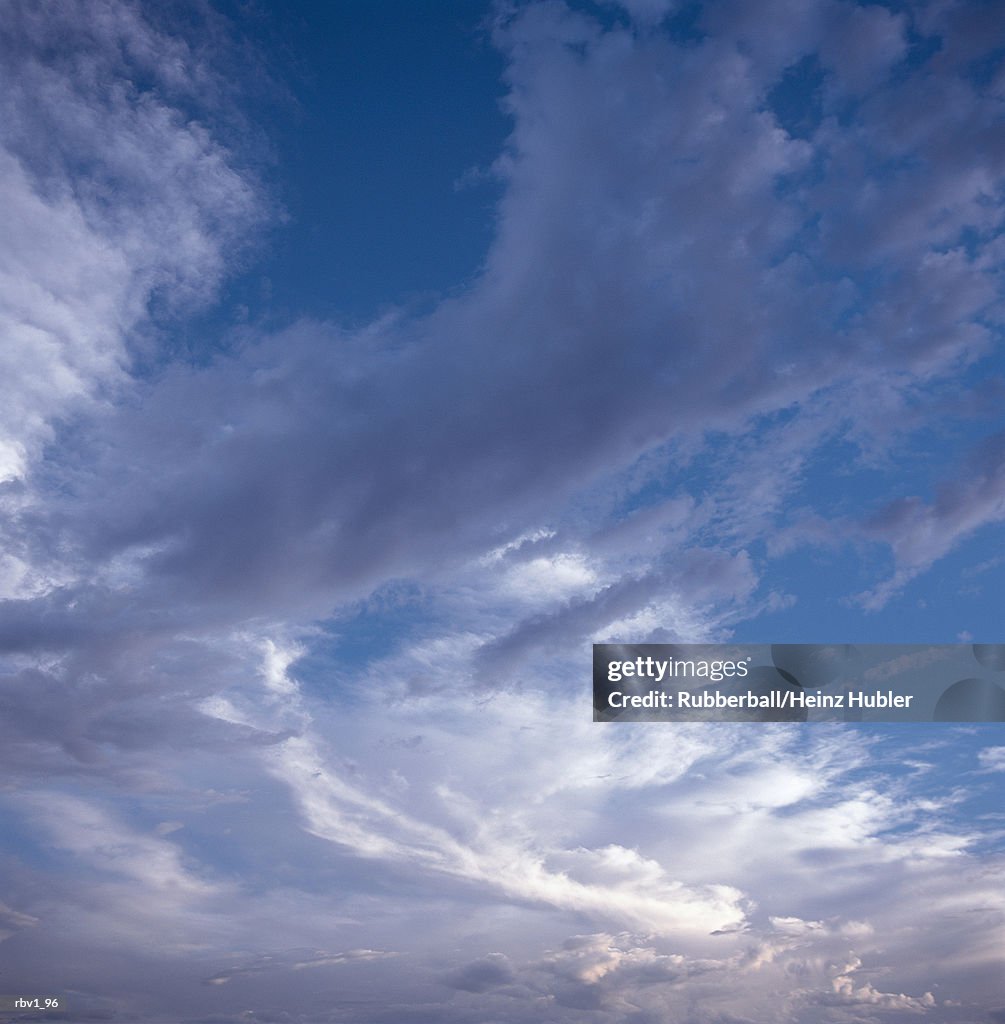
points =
(799, 682)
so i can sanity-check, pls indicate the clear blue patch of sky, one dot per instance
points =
(984, 70)
(397, 103)
(962, 591)
(823, 581)
(382, 152)
(682, 23)
(369, 631)
(796, 101)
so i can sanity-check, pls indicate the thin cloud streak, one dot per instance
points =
(295, 637)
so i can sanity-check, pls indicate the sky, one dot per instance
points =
(362, 365)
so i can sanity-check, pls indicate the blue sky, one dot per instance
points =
(362, 367)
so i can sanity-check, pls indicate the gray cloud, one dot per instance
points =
(482, 975)
(920, 533)
(316, 463)
(115, 194)
(683, 304)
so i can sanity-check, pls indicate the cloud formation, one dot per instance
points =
(294, 636)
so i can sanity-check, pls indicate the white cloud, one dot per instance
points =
(682, 306)
(992, 759)
(12, 921)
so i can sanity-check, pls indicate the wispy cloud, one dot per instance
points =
(294, 636)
